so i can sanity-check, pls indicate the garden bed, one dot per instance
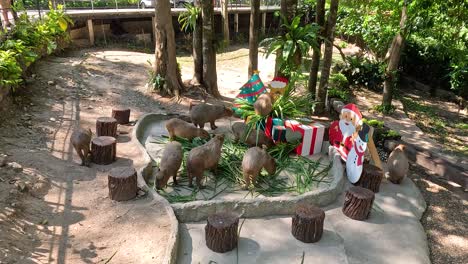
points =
(273, 195)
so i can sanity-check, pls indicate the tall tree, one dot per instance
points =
(225, 15)
(253, 35)
(209, 54)
(394, 60)
(321, 92)
(165, 64)
(197, 51)
(314, 67)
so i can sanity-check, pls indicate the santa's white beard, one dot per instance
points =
(346, 129)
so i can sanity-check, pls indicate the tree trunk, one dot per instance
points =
(106, 126)
(198, 50)
(394, 60)
(253, 35)
(288, 10)
(166, 62)
(225, 15)
(358, 203)
(122, 183)
(371, 178)
(307, 223)
(314, 67)
(321, 92)
(122, 115)
(221, 232)
(210, 79)
(104, 150)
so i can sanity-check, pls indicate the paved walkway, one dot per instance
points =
(392, 234)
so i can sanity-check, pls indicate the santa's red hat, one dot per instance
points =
(352, 108)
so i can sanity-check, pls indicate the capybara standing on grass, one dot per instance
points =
(264, 104)
(240, 130)
(80, 140)
(180, 128)
(397, 164)
(206, 113)
(254, 160)
(204, 157)
(170, 163)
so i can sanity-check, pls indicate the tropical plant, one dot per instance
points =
(293, 44)
(188, 19)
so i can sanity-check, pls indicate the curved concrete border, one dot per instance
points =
(256, 207)
(143, 172)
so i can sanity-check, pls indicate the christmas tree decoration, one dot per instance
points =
(343, 132)
(278, 86)
(250, 91)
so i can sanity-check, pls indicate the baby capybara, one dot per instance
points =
(204, 157)
(240, 130)
(80, 140)
(397, 164)
(170, 163)
(264, 104)
(206, 113)
(180, 128)
(254, 160)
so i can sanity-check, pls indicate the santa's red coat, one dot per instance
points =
(336, 138)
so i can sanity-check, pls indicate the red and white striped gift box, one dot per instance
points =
(312, 136)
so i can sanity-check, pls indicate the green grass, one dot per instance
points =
(229, 175)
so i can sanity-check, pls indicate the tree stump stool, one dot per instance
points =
(122, 182)
(103, 150)
(307, 223)
(358, 203)
(221, 232)
(371, 178)
(122, 115)
(106, 126)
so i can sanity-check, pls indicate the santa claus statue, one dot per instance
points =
(343, 132)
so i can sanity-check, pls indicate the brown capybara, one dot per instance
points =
(240, 131)
(207, 113)
(254, 160)
(204, 157)
(170, 163)
(180, 128)
(263, 105)
(397, 164)
(80, 140)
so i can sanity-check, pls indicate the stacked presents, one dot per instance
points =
(309, 135)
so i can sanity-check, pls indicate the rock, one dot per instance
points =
(3, 159)
(52, 119)
(15, 166)
(51, 83)
(389, 144)
(337, 105)
(141, 193)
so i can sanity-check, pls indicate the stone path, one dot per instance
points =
(392, 234)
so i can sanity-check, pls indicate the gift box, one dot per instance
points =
(312, 136)
(266, 126)
(279, 134)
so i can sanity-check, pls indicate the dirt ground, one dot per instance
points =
(56, 211)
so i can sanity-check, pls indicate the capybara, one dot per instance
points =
(204, 157)
(263, 105)
(397, 164)
(80, 140)
(240, 130)
(207, 113)
(180, 128)
(254, 160)
(170, 163)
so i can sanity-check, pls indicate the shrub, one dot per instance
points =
(363, 71)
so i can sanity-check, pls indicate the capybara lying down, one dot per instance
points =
(80, 140)
(240, 130)
(263, 105)
(170, 163)
(179, 128)
(254, 160)
(206, 113)
(204, 157)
